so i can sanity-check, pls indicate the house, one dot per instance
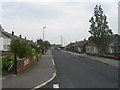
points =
(112, 48)
(80, 46)
(6, 38)
(54, 46)
(91, 47)
(70, 47)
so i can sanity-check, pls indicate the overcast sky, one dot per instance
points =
(67, 19)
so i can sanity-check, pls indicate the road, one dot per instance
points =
(78, 72)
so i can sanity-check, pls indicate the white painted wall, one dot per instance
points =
(4, 42)
(1, 43)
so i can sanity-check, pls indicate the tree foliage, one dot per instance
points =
(99, 29)
(44, 45)
(21, 48)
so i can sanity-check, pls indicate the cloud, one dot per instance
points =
(71, 20)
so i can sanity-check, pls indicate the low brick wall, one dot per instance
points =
(23, 64)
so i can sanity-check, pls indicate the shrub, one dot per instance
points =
(22, 48)
(7, 61)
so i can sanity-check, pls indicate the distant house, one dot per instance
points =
(53, 46)
(112, 48)
(80, 46)
(70, 47)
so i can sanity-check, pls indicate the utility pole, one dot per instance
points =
(61, 41)
(43, 40)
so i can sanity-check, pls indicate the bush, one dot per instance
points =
(7, 61)
(22, 48)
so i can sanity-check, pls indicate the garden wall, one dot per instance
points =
(23, 64)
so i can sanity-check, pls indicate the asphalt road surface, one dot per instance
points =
(78, 72)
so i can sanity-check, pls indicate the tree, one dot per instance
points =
(46, 44)
(100, 30)
(40, 42)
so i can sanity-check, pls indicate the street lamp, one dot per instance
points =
(43, 40)
(43, 33)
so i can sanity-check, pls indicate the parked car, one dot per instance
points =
(58, 49)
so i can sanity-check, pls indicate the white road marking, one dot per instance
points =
(56, 86)
(53, 62)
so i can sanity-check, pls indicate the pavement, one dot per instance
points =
(37, 75)
(74, 71)
(99, 59)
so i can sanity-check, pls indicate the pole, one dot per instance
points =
(43, 34)
(61, 41)
(15, 64)
(43, 40)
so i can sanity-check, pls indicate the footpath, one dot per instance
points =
(99, 59)
(37, 75)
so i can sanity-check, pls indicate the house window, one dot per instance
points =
(6, 43)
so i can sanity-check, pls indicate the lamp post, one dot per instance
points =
(43, 40)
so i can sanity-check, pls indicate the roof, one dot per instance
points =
(81, 43)
(71, 44)
(10, 35)
(115, 38)
(13, 36)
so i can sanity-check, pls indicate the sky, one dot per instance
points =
(67, 19)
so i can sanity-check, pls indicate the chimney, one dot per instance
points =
(12, 32)
(84, 39)
(20, 36)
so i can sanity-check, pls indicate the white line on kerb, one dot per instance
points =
(39, 86)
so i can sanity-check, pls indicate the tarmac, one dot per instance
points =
(99, 59)
(36, 76)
